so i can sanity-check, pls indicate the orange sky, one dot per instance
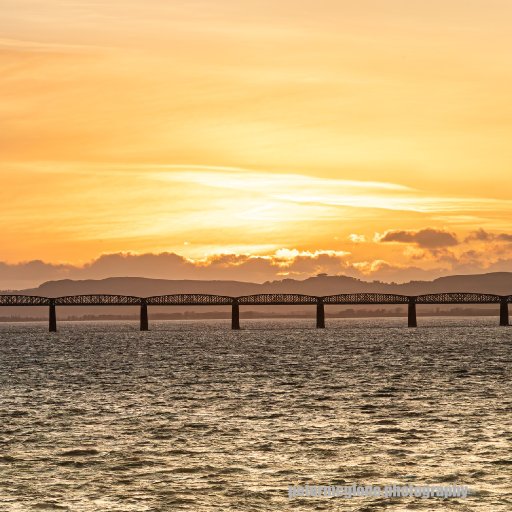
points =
(349, 128)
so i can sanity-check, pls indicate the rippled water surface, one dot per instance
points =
(192, 416)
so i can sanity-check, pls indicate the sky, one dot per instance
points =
(254, 140)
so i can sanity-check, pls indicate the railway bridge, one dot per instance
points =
(262, 299)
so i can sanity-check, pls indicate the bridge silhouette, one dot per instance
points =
(263, 299)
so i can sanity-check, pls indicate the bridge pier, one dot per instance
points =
(235, 316)
(411, 313)
(504, 311)
(52, 327)
(320, 315)
(144, 321)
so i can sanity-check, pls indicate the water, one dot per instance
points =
(192, 416)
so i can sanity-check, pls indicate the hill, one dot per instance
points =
(497, 282)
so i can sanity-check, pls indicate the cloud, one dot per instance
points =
(424, 238)
(242, 267)
(20, 275)
(385, 271)
(425, 263)
(484, 236)
(356, 239)
(281, 264)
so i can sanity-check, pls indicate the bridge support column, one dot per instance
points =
(52, 327)
(504, 311)
(235, 316)
(320, 315)
(144, 321)
(411, 313)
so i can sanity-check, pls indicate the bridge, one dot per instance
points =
(262, 299)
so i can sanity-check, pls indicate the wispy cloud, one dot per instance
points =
(305, 189)
(246, 179)
(44, 46)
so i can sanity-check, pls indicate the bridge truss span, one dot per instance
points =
(283, 299)
(366, 298)
(189, 299)
(23, 300)
(458, 298)
(98, 300)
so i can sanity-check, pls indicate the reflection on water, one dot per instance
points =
(193, 416)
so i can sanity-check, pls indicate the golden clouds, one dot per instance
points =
(87, 208)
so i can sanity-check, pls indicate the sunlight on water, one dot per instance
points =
(194, 416)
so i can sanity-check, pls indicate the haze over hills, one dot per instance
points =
(499, 283)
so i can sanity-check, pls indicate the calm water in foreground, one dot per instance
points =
(192, 416)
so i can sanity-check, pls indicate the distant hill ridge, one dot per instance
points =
(499, 283)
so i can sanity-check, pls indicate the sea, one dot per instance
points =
(196, 417)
